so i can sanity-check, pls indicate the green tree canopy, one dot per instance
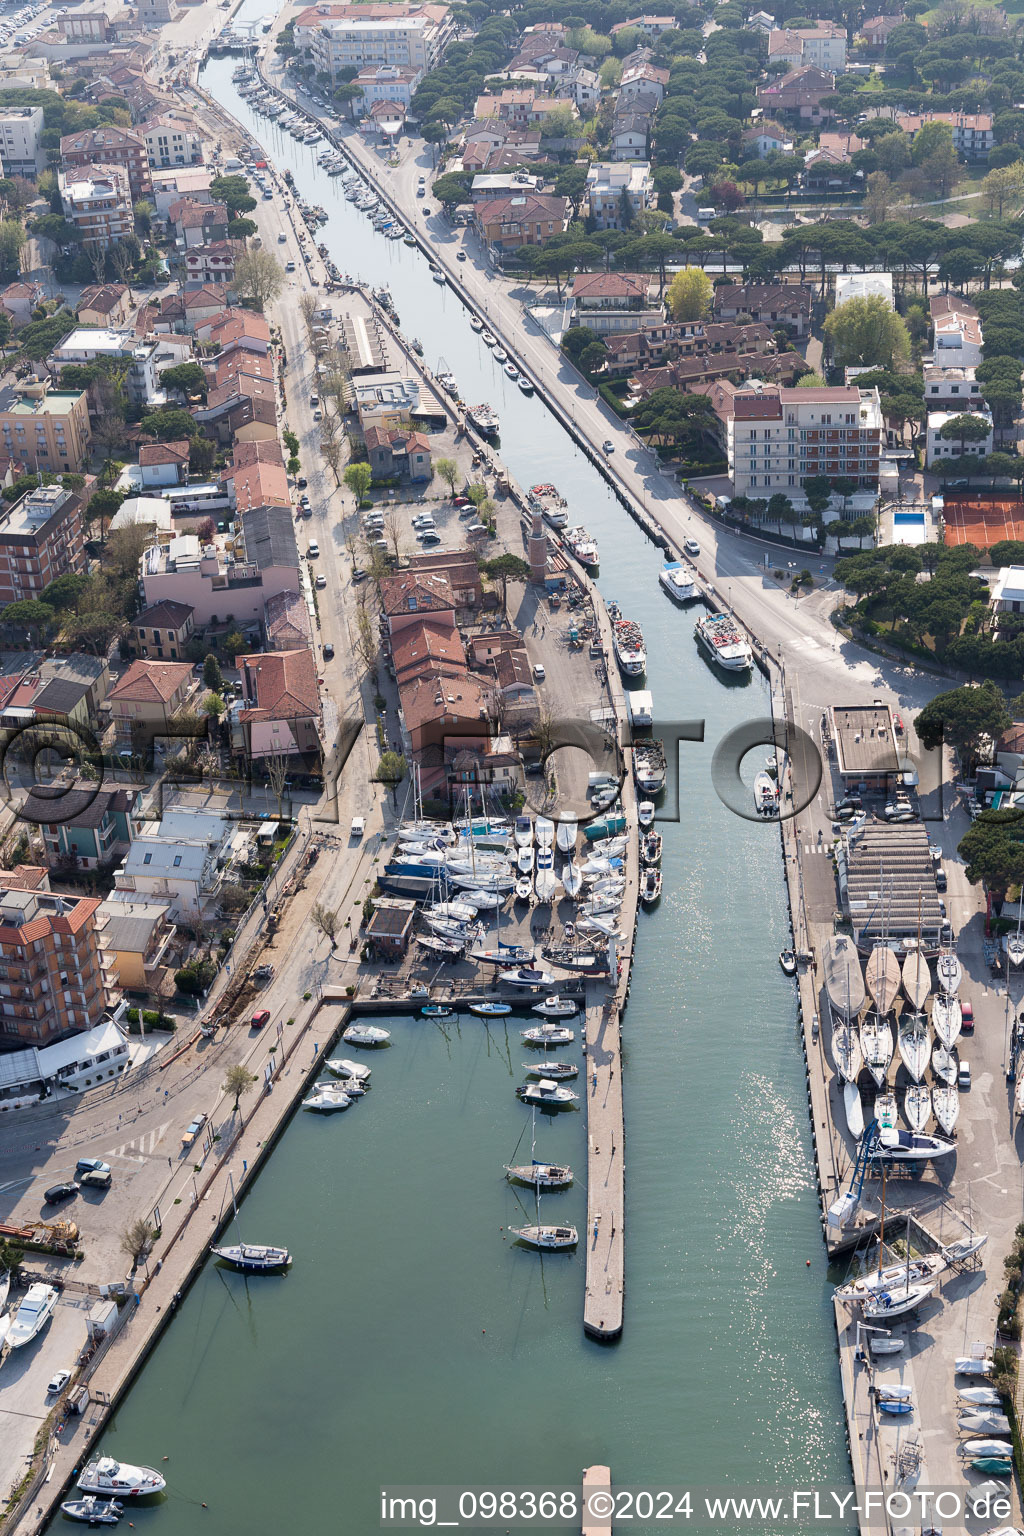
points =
(867, 333)
(966, 718)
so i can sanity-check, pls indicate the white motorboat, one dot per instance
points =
(679, 580)
(523, 889)
(253, 1258)
(766, 795)
(547, 1092)
(910, 1147)
(572, 879)
(854, 1109)
(548, 1034)
(327, 1098)
(949, 971)
(844, 980)
(556, 1007)
(650, 887)
(944, 1065)
(846, 1052)
(540, 1175)
(980, 1397)
(544, 831)
(523, 832)
(526, 976)
(366, 1034)
(876, 1046)
(567, 832)
(105, 1475)
(646, 812)
(886, 1112)
(547, 1237)
(874, 1281)
(946, 1106)
(895, 1302)
(882, 977)
(32, 1316)
(917, 979)
(965, 1247)
(484, 901)
(947, 1018)
(917, 1106)
(345, 1067)
(524, 861)
(915, 1046)
(974, 1365)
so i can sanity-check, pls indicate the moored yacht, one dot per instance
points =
(253, 1258)
(105, 1475)
(32, 1316)
(679, 580)
(540, 1175)
(723, 642)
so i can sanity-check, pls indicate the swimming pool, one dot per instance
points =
(908, 528)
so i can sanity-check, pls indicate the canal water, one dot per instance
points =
(412, 1343)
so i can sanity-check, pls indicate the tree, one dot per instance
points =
(1003, 187)
(12, 240)
(391, 770)
(259, 277)
(452, 189)
(238, 1081)
(449, 472)
(965, 718)
(188, 378)
(506, 568)
(357, 477)
(963, 429)
(992, 849)
(689, 294)
(212, 675)
(135, 1240)
(170, 424)
(38, 618)
(325, 920)
(867, 333)
(882, 198)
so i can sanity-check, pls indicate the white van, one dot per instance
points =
(704, 214)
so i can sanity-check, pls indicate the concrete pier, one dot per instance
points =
(596, 1479)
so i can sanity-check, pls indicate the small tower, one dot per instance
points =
(538, 551)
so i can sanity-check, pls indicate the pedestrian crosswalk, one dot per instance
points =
(140, 1147)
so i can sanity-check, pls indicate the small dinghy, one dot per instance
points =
(93, 1511)
(436, 1011)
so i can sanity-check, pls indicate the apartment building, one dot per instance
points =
(53, 975)
(21, 148)
(823, 46)
(171, 141)
(531, 218)
(41, 538)
(973, 132)
(388, 82)
(938, 447)
(353, 36)
(956, 332)
(47, 429)
(109, 145)
(777, 437)
(142, 361)
(225, 585)
(97, 199)
(609, 184)
(615, 301)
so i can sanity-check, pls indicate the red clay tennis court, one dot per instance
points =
(983, 522)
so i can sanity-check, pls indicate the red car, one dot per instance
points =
(462, 501)
(966, 1019)
(259, 1019)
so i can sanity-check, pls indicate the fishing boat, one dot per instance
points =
(650, 767)
(846, 1051)
(915, 1046)
(679, 580)
(490, 1010)
(882, 977)
(947, 1018)
(548, 1034)
(897, 1301)
(546, 1092)
(628, 645)
(949, 971)
(552, 507)
(946, 1107)
(557, 1071)
(542, 1175)
(766, 795)
(485, 419)
(526, 976)
(584, 546)
(886, 1112)
(917, 1106)
(980, 1397)
(345, 1068)
(876, 1046)
(366, 1034)
(898, 1146)
(983, 1424)
(436, 1011)
(93, 1511)
(854, 1109)
(719, 636)
(650, 850)
(844, 981)
(646, 812)
(105, 1475)
(567, 832)
(32, 1316)
(556, 1007)
(917, 979)
(650, 887)
(327, 1098)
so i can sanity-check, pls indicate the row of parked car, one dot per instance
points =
(90, 1172)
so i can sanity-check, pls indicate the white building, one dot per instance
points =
(608, 182)
(21, 150)
(823, 46)
(84, 1061)
(1008, 592)
(939, 447)
(864, 285)
(172, 141)
(179, 859)
(413, 36)
(145, 359)
(97, 199)
(778, 437)
(957, 332)
(951, 389)
(388, 82)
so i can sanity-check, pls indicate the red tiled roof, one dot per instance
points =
(285, 683)
(151, 682)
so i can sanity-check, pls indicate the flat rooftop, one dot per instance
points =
(57, 402)
(865, 739)
(890, 885)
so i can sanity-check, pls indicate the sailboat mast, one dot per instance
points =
(881, 1227)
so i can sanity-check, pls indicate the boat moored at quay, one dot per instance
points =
(628, 643)
(719, 635)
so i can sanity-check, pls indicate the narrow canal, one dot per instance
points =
(412, 1343)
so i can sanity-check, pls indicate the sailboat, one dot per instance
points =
(910, 1147)
(1015, 943)
(572, 878)
(917, 979)
(846, 1052)
(882, 977)
(947, 1018)
(854, 1109)
(844, 980)
(917, 1106)
(876, 1046)
(946, 1105)
(567, 832)
(949, 971)
(539, 1175)
(944, 1065)
(250, 1258)
(909, 1290)
(915, 1046)
(537, 1235)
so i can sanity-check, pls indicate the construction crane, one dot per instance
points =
(841, 1210)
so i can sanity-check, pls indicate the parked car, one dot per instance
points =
(940, 880)
(966, 1018)
(192, 1130)
(963, 1077)
(96, 1180)
(321, 581)
(259, 1019)
(358, 826)
(358, 574)
(538, 672)
(328, 651)
(289, 266)
(313, 550)
(58, 1192)
(57, 1382)
(91, 1165)
(462, 501)
(282, 238)
(302, 482)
